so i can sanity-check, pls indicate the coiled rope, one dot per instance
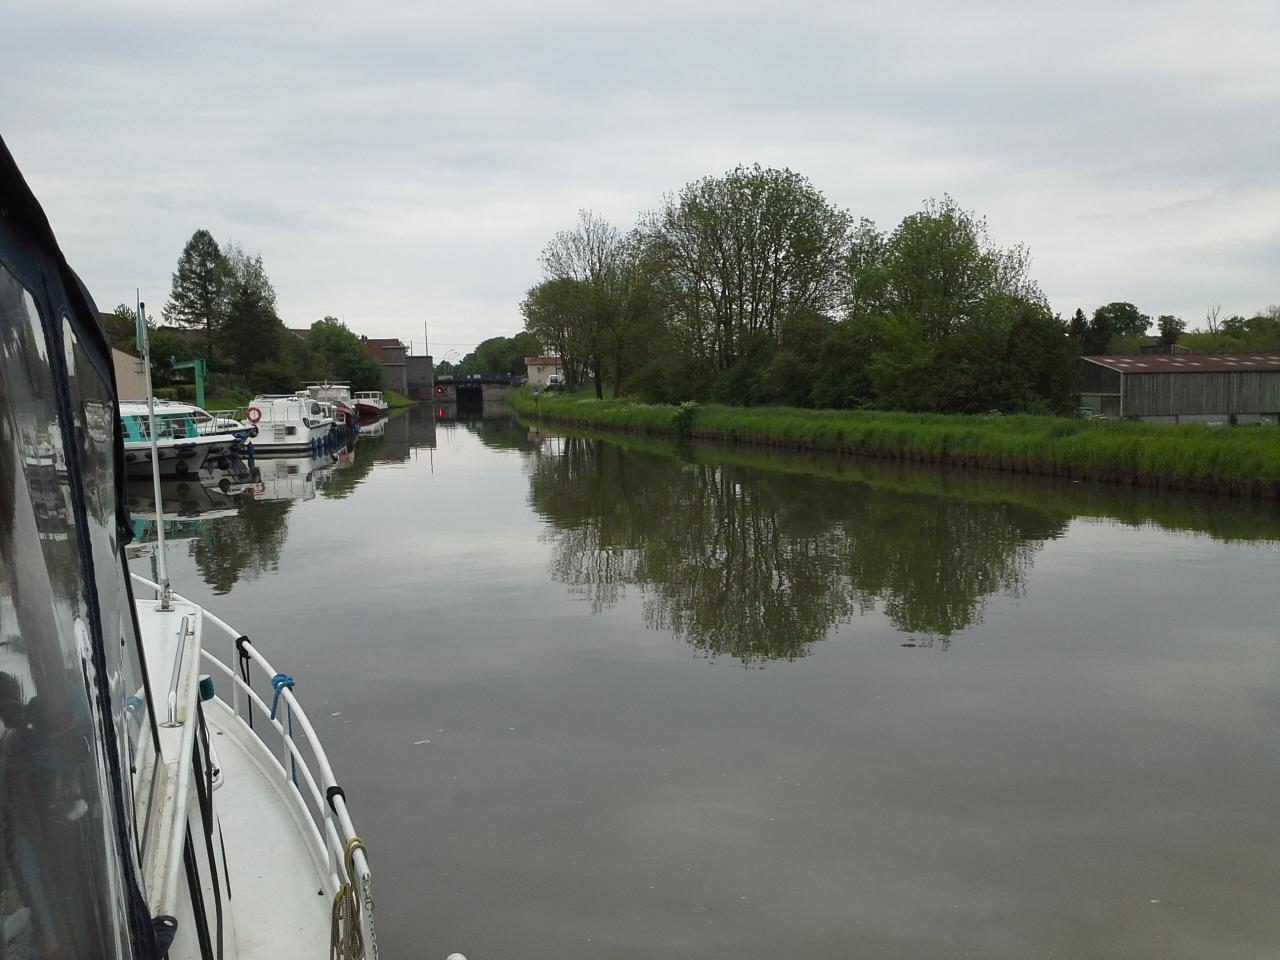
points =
(278, 683)
(346, 941)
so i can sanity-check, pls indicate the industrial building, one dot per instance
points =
(1220, 388)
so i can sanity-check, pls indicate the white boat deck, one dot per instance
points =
(277, 905)
(280, 896)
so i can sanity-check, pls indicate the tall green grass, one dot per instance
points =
(1243, 460)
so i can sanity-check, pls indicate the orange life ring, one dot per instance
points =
(254, 414)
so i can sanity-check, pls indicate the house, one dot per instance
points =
(131, 376)
(1220, 388)
(539, 368)
(393, 355)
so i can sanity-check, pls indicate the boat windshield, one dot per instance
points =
(169, 426)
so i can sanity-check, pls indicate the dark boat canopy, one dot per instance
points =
(73, 701)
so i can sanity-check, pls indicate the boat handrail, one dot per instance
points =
(331, 830)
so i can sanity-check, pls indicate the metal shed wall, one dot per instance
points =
(1188, 394)
(1097, 379)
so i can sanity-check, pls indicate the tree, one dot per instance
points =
(554, 314)
(1171, 328)
(337, 354)
(200, 285)
(501, 355)
(587, 255)
(740, 253)
(251, 330)
(936, 272)
(122, 328)
(167, 347)
(948, 321)
(1078, 330)
(1113, 321)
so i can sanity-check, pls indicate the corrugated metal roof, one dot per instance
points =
(1191, 362)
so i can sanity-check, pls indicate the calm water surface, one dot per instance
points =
(595, 700)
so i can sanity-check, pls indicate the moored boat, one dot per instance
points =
(181, 447)
(370, 403)
(288, 423)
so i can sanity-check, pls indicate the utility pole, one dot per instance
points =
(426, 351)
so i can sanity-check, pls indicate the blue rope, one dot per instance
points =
(278, 683)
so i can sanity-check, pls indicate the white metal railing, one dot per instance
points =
(209, 427)
(310, 785)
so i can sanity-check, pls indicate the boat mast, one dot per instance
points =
(166, 591)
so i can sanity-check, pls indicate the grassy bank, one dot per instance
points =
(396, 400)
(1241, 461)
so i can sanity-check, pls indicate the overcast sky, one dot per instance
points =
(402, 162)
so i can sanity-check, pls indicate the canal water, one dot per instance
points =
(613, 699)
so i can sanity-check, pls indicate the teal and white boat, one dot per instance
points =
(182, 444)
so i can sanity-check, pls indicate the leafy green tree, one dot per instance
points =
(1115, 320)
(555, 315)
(936, 271)
(337, 354)
(1257, 334)
(1171, 328)
(251, 331)
(740, 253)
(122, 329)
(943, 315)
(168, 347)
(587, 255)
(198, 296)
(501, 355)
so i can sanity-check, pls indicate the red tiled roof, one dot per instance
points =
(1191, 362)
(535, 361)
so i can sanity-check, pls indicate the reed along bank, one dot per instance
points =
(1235, 461)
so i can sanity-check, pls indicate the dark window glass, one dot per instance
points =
(60, 872)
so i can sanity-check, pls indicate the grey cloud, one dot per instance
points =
(397, 162)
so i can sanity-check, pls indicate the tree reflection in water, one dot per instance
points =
(248, 544)
(758, 565)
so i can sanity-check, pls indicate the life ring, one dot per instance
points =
(254, 414)
(260, 488)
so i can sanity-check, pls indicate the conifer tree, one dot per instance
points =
(198, 295)
(1078, 330)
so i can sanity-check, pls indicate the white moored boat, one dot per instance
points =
(370, 403)
(137, 793)
(184, 443)
(288, 424)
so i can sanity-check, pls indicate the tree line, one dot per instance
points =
(495, 355)
(222, 308)
(752, 288)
